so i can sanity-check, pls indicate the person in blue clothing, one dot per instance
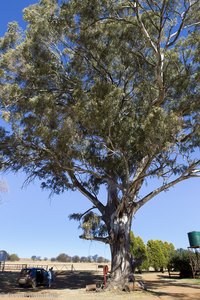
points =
(50, 277)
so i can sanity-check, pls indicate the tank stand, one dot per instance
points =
(194, 255)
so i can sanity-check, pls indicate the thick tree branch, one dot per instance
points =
(78, 216)
(105, 240)
(191, 172)
(86, 193)
(146, 34)
(182, 26)
(139, 175)
(157, 50)
(76, 183)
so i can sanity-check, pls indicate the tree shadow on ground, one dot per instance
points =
(177, 281)
(77, 279)
(63, 280)
(182, 296)
(157, 284)
(155, 287)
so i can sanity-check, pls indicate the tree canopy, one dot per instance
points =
(160, 254)
(138, 251)
(103, 93)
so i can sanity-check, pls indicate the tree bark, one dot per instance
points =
(121, 267)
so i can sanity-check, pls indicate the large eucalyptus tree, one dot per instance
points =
(103, 93)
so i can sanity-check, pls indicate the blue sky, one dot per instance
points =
(31, 223)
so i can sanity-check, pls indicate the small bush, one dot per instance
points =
(13, 257)
(180, 261)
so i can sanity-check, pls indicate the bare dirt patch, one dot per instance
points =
(71, 285)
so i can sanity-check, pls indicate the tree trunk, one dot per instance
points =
(121, 267)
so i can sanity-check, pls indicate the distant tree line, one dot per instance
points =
(13, 257)
(160, 256)
(65, 258)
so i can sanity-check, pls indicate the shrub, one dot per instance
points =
(180, 261)
(53, 259)
(13, 257)
(62, 257)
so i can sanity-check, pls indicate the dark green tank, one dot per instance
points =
(194, 238)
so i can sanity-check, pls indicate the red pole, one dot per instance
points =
(105, 271)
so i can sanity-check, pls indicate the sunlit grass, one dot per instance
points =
(191, 281)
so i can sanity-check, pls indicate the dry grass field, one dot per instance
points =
(57, 266)
(72, 285)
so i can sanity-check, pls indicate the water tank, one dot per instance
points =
(194, 238)
(3, 255)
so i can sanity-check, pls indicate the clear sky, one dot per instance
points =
(31, 223)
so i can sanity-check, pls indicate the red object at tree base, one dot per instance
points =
(105, 272)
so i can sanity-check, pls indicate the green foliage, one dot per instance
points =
(156, 256)
(159, 254)
(139, 251)
(91, 224)
(103, 94)
(168, 251)
(63, 258)
(81, 91)
(156, 253)
(13, 257)
(180, 261)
